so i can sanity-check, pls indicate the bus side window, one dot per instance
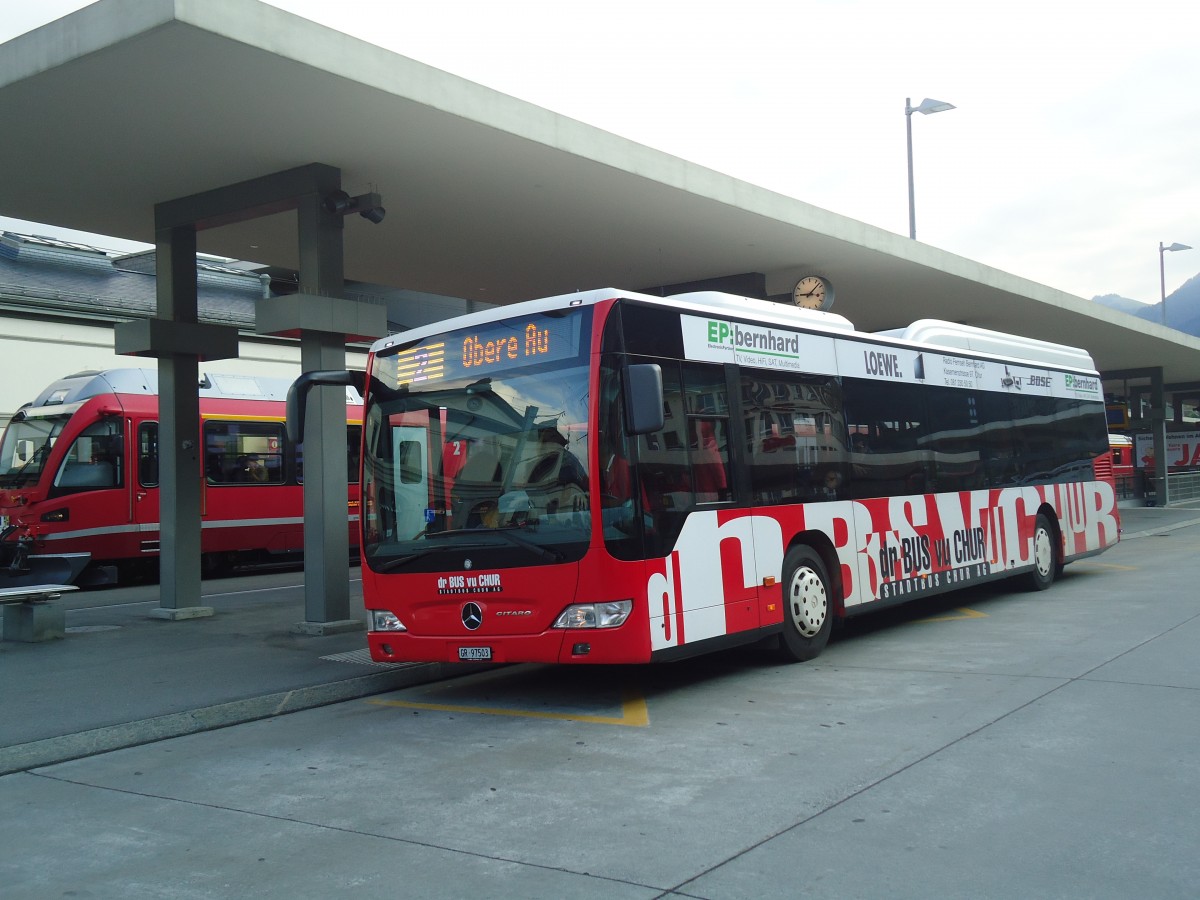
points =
(889, 439)
(956, 433)
(708, 442)
(795, 436)
(707, 404)
(664, 469)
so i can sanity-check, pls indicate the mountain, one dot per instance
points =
(1183, 307)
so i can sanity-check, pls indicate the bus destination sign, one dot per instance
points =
(492, 347)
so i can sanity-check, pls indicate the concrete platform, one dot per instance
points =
(993, 743)
(122, 677)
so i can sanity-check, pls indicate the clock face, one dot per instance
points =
(812, 292)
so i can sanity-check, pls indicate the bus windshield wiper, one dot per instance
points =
(512, 537)
(507, 533)
(400, 561)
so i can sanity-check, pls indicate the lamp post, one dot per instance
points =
(927, 106)
(1162, 272)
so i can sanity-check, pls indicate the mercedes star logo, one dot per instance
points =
(472, 616)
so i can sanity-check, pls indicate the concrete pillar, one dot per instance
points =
(326, 550)
(178, 341)
(176, 338)
(1158, 426)
(179, 443)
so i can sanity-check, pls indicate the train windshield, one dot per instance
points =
(475, 448)
(26, 447)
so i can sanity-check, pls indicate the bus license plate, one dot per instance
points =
(474, 653)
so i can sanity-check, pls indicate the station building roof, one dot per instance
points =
(489, 198)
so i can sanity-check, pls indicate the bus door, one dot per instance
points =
(410, 449)
(709, 583)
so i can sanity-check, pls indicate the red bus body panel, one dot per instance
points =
(882, 551)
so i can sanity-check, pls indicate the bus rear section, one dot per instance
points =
(609, 477)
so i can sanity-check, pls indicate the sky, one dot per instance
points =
(1072, 151)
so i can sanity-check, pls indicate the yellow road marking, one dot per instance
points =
(1100, 565)
(633, 712)
(963, 613)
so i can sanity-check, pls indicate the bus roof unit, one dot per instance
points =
(952, 335)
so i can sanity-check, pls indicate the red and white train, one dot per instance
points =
(79, 473)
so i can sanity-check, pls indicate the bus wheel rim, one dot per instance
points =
(1043, 553)
(808, 604)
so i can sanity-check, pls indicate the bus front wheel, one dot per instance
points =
(808, 606)
(1046, 564)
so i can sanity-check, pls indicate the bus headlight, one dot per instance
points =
(382, 620)
(595, 615)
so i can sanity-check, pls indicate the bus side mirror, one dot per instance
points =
(643, 398)
(298, 393)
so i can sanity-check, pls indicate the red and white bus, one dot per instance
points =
(79, 471)
(607, 477)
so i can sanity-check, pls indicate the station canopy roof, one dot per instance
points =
(121, 105)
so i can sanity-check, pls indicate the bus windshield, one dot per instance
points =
(26, 447)
(483, 461)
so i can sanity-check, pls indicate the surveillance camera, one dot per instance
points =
(366, 205)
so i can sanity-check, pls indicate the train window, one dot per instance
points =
(353, 457)
(94, 461)
(353, 451)
(243, 452)
(148, 454)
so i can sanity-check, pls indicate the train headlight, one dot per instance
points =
(382, 620)
(595, 615)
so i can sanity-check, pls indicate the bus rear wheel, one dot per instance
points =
(808, 607)
(1046, 564)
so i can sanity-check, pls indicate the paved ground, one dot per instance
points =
(993, 743)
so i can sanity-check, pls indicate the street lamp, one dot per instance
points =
(1162, 272)
(927, 106)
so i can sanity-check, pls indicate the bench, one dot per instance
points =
(32, 612)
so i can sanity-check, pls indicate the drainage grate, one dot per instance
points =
(363, 658)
